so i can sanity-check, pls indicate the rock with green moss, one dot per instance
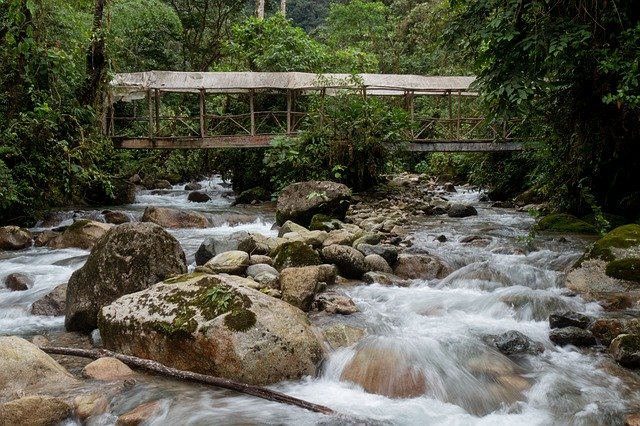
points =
(564, 222)
(129, 258)
(625, 269)
(252, 195)
(216, 325)
(81, 234)
(299, 202)
(322, 222)
(15, 238)
(625, 349)
(621, 242)
(293, 254)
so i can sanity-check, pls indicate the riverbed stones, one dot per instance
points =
(106, 369)
(383, 278)
(350, 262)
(421, 266)
(299, 202)
(216, 325)
(174, 218)
(335, 303)
(514, 342)
(376, 262)
(299, 286)
(35, 411)
(461, 210)
(87, 405)
(572, 336)
(115, 217)
(233, 262)
(53, 304)
(15, 238)
(293, 254)
(18, 282)
(569, 319)
(607, 329)
(387, 251)
(198, 197)
(24, 368)
(82, 234)
(193, 186)
(140, 415)
(625, 349)
(130, 258)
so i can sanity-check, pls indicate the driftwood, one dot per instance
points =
(156, 367)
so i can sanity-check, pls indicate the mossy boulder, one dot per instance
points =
(252, 195)
(625, 349)
(15, 238)
(299, 202)
(83, 234)
(216, 325)
(614, 243)
(129, 258)
(625, 269)
(564, 222)
(293, 254)
(323, 222)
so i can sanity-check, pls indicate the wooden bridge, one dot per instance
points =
(149, 110)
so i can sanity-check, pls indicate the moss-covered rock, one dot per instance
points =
(623, 237)
(216, 325)
(625, 349)
(299, 202)
(625, 269)
(254, 194)
(564, 222)
(294, 254)
(323, 222)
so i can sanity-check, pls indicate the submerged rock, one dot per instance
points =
(18, 282)
(569, 319)
(461, 210)
(572, 336)
(513, 342)
(216, 325)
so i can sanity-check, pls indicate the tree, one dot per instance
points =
(572, 67)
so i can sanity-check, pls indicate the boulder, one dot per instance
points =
(461, 210)
(632, 420)
(370, 239)
(607, 329)
(299, 286)
(161, 184)
(625, 349)
(322, 222)
(198, 197)
(421, 266)
(53, 304)
(93, 404)
(387, 251)
(233, 262)
(193, 186)
(312, 238)
(43, 238)
(335, 303)
(350, 262)
(240, 240)
(340, 237)
(257, 259)
(513, 342)
(449, 187)
(81, 234)
(18, 282)
(15, 238)
(115, 217)
(35, 411)
(129, 258)
(24, 368)
(376, 262)
(572, 336)
(140, 415)
(299, 202)
(383, 278)
(342, 335)
(173, 218)
(565, 223)
(294, 254)
(290, 226)
(253, 195)
(106, 369)
(216, 325)
(569, 319)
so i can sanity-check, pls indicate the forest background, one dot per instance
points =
(569, 70)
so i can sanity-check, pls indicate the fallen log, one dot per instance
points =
(156, 367)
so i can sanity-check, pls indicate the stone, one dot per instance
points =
(340, 237)
(342, 335)
(449, 187)
(83, 234)
(376, 262)
(174, 218)
(233, 262)
(461, 210)
(335, 303)
(215, 325)
(115, 217)
(258, 269)
(15, 238)
(368, 239)
(312, 238)
(24, 368)
(198, 197)
(421, 266)
(322, 222)
(193, 186)
(130, 258)
(569, 319)
(43, 238)
(299, 286)
(294, 254)
(591, 278)
(290, 226)
(513, 342)
(299, 202)
(572, 336)
(328, 273)
(383, 278)
(106, 369)
(350, 262)
(18, 282)
(632, 420)
(257, 259)
(607, 329)
(565, 223)
(253, 195)
(162, 184)
(625, 349)
(53, 304)
(251, 243)
(140, 415)
(34, 411)
(387, 251)
(92, 404)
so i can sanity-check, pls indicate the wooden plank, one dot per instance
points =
(239, 141)
(463, 146)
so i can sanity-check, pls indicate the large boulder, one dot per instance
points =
(174, 218)
(299, 202)
(130, 258)
(14, 238)
(607, 329)
(233, 262)
(35, 411)
(24, 368)
(572, 336)
(350, 262)
(82, 234)
(566, 223)
(625, 349)
(461, 210)
(292, 254)
(18, 282)
(53, 304)
(299, 286)
(216, 325)
(421, 266)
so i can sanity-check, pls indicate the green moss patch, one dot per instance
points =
(622, 237)
(294, 254)
(240, 320)
(625, 269)
(321, 222)
(78, 224)
(564, 222)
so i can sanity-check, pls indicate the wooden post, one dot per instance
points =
(459, 115)
(260, 9)
(323, 91)
(157, 101)
(289, 106)
(364, 93)
(283, 7)
(202, 113)
(150, 112)
(252, 112)
(450, 112)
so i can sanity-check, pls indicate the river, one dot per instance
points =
(438, 327)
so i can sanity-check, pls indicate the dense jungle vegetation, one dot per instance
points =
(569, 69)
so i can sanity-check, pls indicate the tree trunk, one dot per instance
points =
(260, 9)
(156, 367)
(283, 7)
(96, 61)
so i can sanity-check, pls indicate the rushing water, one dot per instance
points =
(436, 330)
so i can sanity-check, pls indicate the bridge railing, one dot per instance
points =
(462, 128)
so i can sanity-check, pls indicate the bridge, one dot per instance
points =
(155, 109)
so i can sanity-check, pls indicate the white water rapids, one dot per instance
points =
(438, 328)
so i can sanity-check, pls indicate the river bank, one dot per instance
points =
(439, 325)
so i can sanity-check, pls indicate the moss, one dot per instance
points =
(183, 278)
(563, 222)
(240, 320)
(321, 222)
(622, 237)
(629, 342)
(78, 224)
(624, 269)
(294, 254)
